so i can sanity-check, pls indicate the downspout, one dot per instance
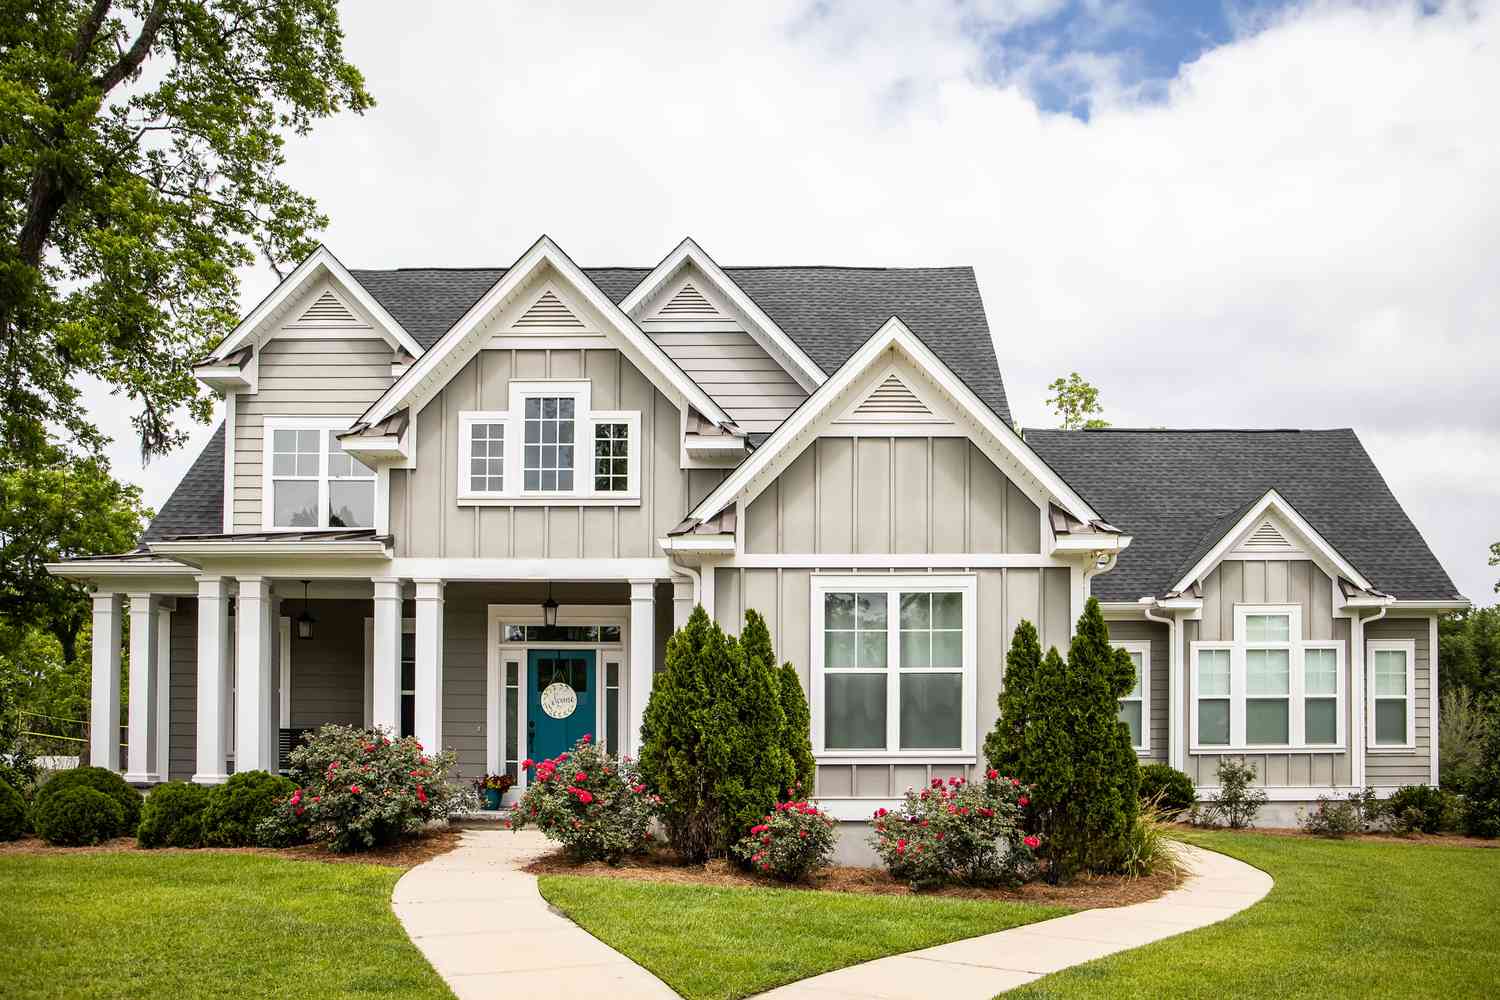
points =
(691, 574)
(1358, 710)
(1174, 650)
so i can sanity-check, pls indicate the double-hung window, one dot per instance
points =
(893, 665)
(549, 446)
(1391, 683)
(1268, 688)
(1135, 707)
(310, 481)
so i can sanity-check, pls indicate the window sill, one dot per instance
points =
(1388, 750)
(560, 500)
(1284, 748)
(896, 757)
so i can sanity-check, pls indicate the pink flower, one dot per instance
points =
(1031, 842)
(353, 789)
(580, 777)
(992, 774)
(758, 829)
(297, 796)
(901, 846)
(638, 789)
(586, 738)
(528, 763)
(421, 795)
(1023, 802)
(802, 833)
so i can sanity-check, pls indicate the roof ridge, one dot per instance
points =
(647, 268)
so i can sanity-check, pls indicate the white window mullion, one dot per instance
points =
(323, 496)
(892, 672)
(1237, 696)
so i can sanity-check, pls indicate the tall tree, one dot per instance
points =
(1495, 561)
(1469, 651)
(1076, 401)
(140, 146)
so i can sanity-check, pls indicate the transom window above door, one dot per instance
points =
(549, 445)
(310, 482)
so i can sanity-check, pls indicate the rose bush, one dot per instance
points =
(958, 831)
(594, 804)
(358, 788)
(790, 842)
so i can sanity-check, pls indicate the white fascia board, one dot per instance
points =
(818, 406)
(1091, 542)
(706, 544)
(82, 569)
(319, 263)
(806, 372)
(384, 448)
(1463, 604)
(662, 370)
(1273, 501)
(209, 549)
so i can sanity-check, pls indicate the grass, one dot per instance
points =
(1346, 918)
(730, 942)
(185, 925)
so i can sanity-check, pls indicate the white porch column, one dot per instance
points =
(642, 656)
(161, 762)
(254, 735)
(104, 700)
(213, 681)
(142, 717)
(683, 600)
(386, 704)
(428, 720)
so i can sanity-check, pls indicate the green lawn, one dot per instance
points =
(718, 943)
(1345, 919)
(181, 925)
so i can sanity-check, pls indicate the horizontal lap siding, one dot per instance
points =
(428, 520)
(337, 376)
(1156, 634)
(328, 670)
(182, 739)
(1410, 767)
(465, 635)
(737, 373)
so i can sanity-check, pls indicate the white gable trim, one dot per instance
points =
(775, 340)
(777, 451)
(629, 338)
(320, 264)
(1273, 503)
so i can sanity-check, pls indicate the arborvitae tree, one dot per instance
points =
(751, 769)
(796, 733)
(1060, 732)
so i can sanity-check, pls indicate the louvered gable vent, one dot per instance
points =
(892, 400)
(1267, 536)
(689, 303)
(327, 310)
(549, 311)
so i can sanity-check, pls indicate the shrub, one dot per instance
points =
(77, 816)
(1481, 815)
(1238, 800)
(173, 815)
(1330, 817)
(1422, 809)
(1150, 848)
(790, 842)
(1171, 790)
(711, 743)
(796, 728)
(102, 780)
(1059, 730)
(236, 808)
(1461, 727)
(1368, 809)
(594, 804)
(965, 832)
(12, 813)
(358, 788)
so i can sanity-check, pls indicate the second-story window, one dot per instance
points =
(311, 482)
(548, 464)
(611, 458)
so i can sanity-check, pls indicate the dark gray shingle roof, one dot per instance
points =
(196, 506)
(1177, 492)
(828, 311)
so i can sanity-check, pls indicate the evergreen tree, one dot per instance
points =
(750, 766)
(796, 733)
(1002, 746)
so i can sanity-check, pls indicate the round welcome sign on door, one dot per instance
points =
(559, 700)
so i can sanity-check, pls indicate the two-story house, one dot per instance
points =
(472, 504)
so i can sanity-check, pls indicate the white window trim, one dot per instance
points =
(1296, 685)
(965, 584)
(1409, 647)
(1143, 647)
(326, 428)
(585, 418)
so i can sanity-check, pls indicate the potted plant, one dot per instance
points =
(491, 787)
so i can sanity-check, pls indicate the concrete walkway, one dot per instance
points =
(484, 926)
(978, 968)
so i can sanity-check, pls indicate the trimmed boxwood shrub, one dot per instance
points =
(12, 813)
(1421, 808)
(78, 816)
(173, 815)
(239, 805)
(100, 779)
(1169, 788)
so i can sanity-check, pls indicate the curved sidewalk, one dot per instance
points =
(484, 926)
(980, 967)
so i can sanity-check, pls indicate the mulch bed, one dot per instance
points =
(1084, 893)
(406, 854)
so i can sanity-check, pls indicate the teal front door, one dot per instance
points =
(559, 701)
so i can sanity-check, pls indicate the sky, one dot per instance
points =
(1221, 214)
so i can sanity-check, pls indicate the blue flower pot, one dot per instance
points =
(492, 798)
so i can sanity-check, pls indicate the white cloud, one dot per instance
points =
(1303, 230)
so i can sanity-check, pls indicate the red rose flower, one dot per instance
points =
(421, 795)
(528, 763)
(1023, 802)
(353, 789)
(1031, 842)
(992, 774)
(580, 777)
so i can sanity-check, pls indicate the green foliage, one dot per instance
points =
(957, 831)
(594, 804)
(358, 788)
(1059, 731)
(12, 812)
(1149, 847)
(1481, 814)
(236, 808)
(1075, 401)
(1422, 809)
(712, 741)
(172, 815)
(1239, 798)
(796, 729)
(1461, 727)
(1469, 651)
(1330, 817)
(790, 842)
(1170, 789)
(101, 780)
(78, 816)
(141, 152)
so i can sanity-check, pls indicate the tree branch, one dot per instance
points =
(132, 59)
(89, 31)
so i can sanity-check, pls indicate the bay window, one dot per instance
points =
(893, 665)
(1135, 707)
(1391, 683)
(310, 481)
